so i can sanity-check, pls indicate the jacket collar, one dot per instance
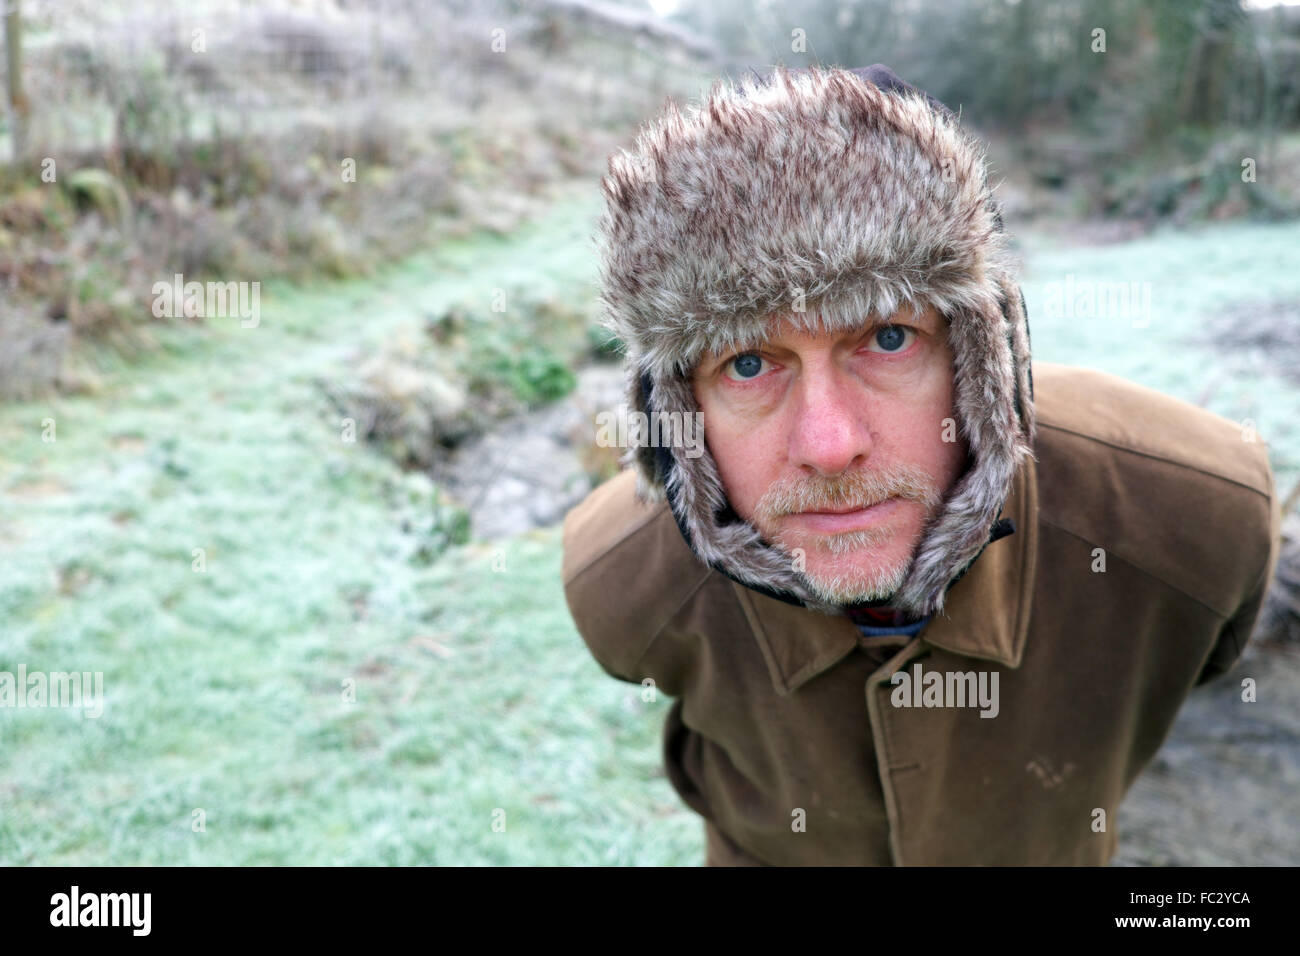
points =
(985, 616)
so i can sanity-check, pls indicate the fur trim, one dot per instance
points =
(824, 190)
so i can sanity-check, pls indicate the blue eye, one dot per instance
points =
(745, 366)
(892, 338)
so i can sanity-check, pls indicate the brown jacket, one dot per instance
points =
(784, 734)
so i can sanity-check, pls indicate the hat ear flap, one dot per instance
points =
(650, 463)
(1016, 315)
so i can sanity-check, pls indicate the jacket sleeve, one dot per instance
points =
(627, 572)
(604, 591)
(616, 658)
(1239, 629)
(594, 613)
(622, 643)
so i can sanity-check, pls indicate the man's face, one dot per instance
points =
(832, 445)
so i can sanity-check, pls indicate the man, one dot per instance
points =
(915, 604)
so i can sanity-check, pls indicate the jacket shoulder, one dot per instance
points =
(1105, 408)
(626, 570)
(1183, 494)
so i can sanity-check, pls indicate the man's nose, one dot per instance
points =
(829, 426)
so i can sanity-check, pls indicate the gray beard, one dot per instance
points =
(852, 587)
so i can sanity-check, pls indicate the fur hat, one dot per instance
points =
(859, 194)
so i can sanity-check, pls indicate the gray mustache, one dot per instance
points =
(856, 490)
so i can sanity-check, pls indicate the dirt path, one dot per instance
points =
(1224, 790)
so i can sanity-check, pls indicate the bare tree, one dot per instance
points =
(18, 106)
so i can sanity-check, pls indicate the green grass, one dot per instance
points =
(225, 689)
(1194, 277)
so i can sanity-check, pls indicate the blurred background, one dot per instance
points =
(303, 515)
